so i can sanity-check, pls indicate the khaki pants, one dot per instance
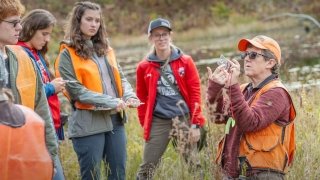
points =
(155, 147)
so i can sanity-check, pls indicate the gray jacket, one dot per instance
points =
(89, 122)
(41, 103)
(3, 70)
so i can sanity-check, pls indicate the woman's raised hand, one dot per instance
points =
(219, 76)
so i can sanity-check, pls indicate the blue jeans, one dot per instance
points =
(59, 171)
(109, 147)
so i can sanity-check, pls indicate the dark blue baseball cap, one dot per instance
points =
(159, 23)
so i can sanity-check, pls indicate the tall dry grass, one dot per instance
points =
(306, 164)
(173, 167)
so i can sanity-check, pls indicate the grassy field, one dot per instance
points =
(307, 158)
(306, 164)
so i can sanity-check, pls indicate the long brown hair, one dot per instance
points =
(35, 20)
(75, 36)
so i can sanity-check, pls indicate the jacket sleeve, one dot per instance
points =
(41, 104)
(3, 70)
(215, 104)
(194, 92)
(49, 89)
(142, 94)
(77, 91)
(42, 109)
(126, 86)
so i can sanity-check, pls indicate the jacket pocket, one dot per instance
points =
(264, 152)
(262, 143)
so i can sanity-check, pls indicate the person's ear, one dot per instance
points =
(150, 39)
(271, 63)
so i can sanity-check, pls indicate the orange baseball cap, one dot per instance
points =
(262, 42)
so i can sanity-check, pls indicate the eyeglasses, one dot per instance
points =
(163, 35)
(252, 55)
(14, 22)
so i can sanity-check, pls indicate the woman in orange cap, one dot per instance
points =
(259, 141)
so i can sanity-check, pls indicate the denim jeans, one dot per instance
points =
(59, 171)
(109, 147)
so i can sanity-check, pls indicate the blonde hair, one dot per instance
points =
(10, 8)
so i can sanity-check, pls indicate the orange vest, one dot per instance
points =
(26, 80)
(88, 73)
(272, 147)
(23, 150)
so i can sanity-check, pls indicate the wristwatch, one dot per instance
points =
(195, 126)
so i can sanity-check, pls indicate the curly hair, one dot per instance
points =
(10, 8)
(76, 37)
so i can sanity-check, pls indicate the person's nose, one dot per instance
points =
(161, 36)
(18, 27)
(94, 24)
(247, 59)
(47, 38)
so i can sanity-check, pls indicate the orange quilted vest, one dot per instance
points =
(88, 74)
(24, 154)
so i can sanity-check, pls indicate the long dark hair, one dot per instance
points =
(75, 36)
(35, 20)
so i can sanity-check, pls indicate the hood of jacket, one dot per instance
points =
(176, 53)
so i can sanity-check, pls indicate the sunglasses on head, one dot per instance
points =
(14, 22)
(252, 55)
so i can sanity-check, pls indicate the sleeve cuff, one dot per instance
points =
(195, 126)
(50, 90)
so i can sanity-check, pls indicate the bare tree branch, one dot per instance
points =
(302, 16)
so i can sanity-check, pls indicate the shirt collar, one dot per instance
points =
(264, 82)
(32, 50)
(24, 44)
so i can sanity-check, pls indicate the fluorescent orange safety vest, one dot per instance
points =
(274, 146)
(26, 80)
(24, 154)
(88, 73)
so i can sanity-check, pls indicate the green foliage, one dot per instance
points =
(104, 2)
(221, 11)
(132, 17)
